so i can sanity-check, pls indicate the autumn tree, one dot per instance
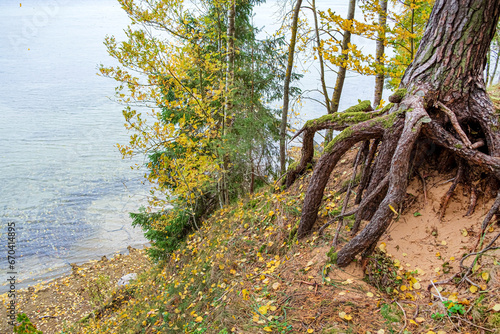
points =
(441, 101)
(197, 84)
(407, 21)
(286, 85)
(493, 58)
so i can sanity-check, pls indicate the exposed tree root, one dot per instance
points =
(333, 152)
(381, 187)
(456, 125)
(340, 223)
(424, 187)
(336, 121)
(385, 175)
(473, 201)
(442, 104)
(367, 239)
(449, 193)
(491, 213)
(367, 170)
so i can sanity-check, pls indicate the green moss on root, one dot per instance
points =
(332, 255)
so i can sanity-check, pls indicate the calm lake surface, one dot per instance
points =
(62, 180)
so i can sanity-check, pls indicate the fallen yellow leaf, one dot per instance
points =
(198, 319)
(496, 308)
(369, 294)
(345, 316)
(416, 286)
(420, 319)
(245, 294)
(485, 275)
(263, 309)
(473, 288)
(267, 329)
(310, 330)
(382, 246)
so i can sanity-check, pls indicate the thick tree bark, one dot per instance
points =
(444, 89)
(286, 88)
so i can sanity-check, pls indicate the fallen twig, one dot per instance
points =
(404, 313)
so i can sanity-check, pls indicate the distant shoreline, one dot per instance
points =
(70, 297)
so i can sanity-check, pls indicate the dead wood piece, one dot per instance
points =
(334, 219)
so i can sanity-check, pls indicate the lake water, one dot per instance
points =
(62, 180)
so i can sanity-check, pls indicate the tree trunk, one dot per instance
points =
(231, 14)
(342, 70)
(320, 58)
(495, 45)
(441, 91)
(286, 88)
(379, 54)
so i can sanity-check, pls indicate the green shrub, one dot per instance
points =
(165, 230)
(25, 326)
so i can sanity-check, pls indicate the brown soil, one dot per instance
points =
(55, 305)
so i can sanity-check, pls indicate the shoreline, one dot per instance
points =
(54, 305)
(47, 277)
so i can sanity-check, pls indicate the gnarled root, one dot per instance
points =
(386, 171)
(449, 193)
(367, 169)
(398, 180)
(337, 122)
(333, 152)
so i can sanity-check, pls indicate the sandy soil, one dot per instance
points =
(418, 239)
